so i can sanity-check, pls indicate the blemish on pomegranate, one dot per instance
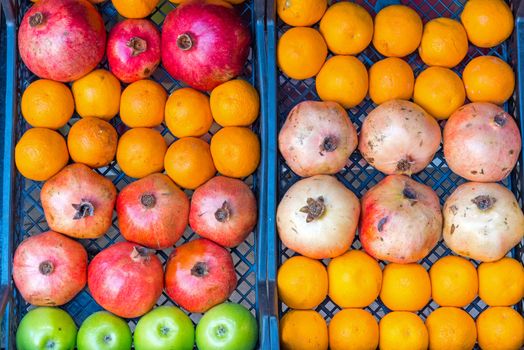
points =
(381, 223)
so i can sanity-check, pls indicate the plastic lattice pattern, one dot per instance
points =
(29, 217)
(358, 175)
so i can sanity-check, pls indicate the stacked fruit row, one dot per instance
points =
(355, 280)
(127, 278)
(399, 220)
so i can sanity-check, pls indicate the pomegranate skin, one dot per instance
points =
(223, 210)
(204, 43)
(49, 269)
(199, 275)
(481, 142)
(152, 212)
(133, 49)
(78, 202)
(126, 279)
(401, 220)
(62, 40)
(317, 138)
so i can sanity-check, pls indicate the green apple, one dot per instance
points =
(47, 328)
(164, 328)
(104, 331)
(227, 326)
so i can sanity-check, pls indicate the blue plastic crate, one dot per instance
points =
(22, 213)
(358, 176)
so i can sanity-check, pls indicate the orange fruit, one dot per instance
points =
(135, 8)
(303, 330)
(92, 141)
(188, 113)
(487, 22)
(235, 151)
(142, 104)
(97, 94)
(488, 79)
(454, 281)
(501, 283)
(390, 78)
(47, 104)
(140, 152)
(355, 279)
(405, 287)
(500, 328)
(40, 153)
(439, 91)
(398, 30)
(302, 282)
(301, 52)
(235, 103)
(188, 162)
(301, 13)
(343, 79)
(347, 28)
(402, 330)
(353, 329)
(450, 328)
(444, 43)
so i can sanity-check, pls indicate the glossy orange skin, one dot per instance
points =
(194, 293)
(69, 274)
(159, 225)
(74, 184)
(124, 282)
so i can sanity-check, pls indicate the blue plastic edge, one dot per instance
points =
(8, 176)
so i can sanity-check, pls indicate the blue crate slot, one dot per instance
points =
(358, 176)
(22, 213)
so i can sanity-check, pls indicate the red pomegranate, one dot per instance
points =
(401, 220)
(317, 138)
(199, 275)
(204, 43)
(78, 202)
(133, 49)
(126, 279)
(152, 211)
(62, 39)
(481, 142)
(49, 269)
(223, 210)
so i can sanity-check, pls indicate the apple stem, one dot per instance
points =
(200, 269)
(85, 208)
(46, 268)
(314, 208)
(223, 213)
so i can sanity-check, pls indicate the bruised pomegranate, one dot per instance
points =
(401, 220)
(482, 221)
(481, 142)
(318, 217)
(62, 40)
(133, 49)
(126, 279)
(199, 275)
(399, 137)
(223, 210)
(204, 43)
(152, 211)
(49, 269)
(317, 138)
(78, 202)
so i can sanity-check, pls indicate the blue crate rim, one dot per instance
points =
(258, 267)
(276, 160)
